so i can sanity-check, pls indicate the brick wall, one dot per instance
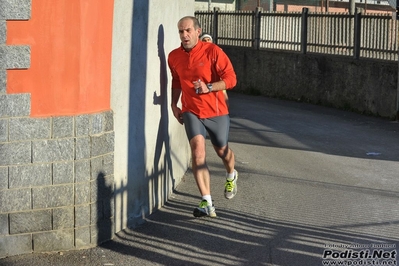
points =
(56, 173)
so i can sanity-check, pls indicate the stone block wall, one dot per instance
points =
(366, 86)
(56, 173)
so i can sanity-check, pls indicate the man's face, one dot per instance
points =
(189, 36)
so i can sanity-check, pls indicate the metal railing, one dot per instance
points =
(367, 36)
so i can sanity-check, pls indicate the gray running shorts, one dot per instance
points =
(217, 128)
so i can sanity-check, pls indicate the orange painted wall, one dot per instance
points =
(70, 70)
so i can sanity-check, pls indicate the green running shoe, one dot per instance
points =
(230, 187)
(204, 209)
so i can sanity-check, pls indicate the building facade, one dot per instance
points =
(86, 144)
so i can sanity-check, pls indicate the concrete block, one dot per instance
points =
(94, 191)
(82, 171)
(101, 166)
(82, 148)
(102, 231)
(63, 172)
(15, 9)
(102, 192)
(82, 215)
(97, 123)
(15, 153)
(3, 177)
(97, 169)
(54, 240)
(82, 125)
(102, 188)
(29, 128)
(3, 79)
(55, 196)
(63, 218)
(108, 164)
(102, 144)
(15, 245)
(82, 237)
(82, 193)
(3, 130)
(4, 224)
(3, 32)
(109, 121)
(13, 105)
(14, 56)
(106, 187)
(96, 212)
(108, 207)
(63, 127)
(13, 200)
(32, 175)
(53, 150)
(32, 221)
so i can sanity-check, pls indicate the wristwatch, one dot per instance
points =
(209, 85)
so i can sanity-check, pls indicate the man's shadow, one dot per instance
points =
(164, 173)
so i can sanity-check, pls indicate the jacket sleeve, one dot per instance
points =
(175, 77)
(224, 68)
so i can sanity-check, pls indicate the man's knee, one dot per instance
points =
(198, 150)
(223, 152)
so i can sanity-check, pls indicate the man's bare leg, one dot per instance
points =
(202, 177)
(227, 156)
(199, 166)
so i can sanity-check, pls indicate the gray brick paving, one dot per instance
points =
(309, 176)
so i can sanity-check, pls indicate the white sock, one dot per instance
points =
(208, 198)
(230, 176)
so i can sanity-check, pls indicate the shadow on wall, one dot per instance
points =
(145, 190)
(103, 213)
(160, 190)
(137, 185)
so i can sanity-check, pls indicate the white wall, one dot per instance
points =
(151, 148)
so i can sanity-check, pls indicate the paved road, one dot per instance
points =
(310, 179)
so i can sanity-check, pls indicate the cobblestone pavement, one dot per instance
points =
(312, 180)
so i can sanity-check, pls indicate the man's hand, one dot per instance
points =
(200, 87)
(177, 113)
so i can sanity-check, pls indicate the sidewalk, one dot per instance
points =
(311, 179)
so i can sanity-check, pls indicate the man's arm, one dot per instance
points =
(216, 86)
(225, 70)
(175, 109)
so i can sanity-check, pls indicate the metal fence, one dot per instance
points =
(369, 36)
